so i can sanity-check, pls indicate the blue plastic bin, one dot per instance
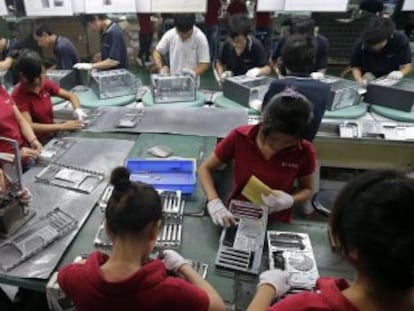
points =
(177, 174)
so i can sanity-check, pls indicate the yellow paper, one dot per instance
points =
(254, 189)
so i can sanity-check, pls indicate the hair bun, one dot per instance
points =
(120, 179)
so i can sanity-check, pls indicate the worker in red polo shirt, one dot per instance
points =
(145, 38)
(237, 7)
(14, 126)
(211, 26)
(32, 96)
(274, 151)
(264, 28)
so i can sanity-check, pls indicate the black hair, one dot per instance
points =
(378, 29)
(239, 24)
(41, 29)
(184, 22)
(372, 6)
(288, 112)
(298, 53)
(302, 26)
(90, 18)
(373, 215)
(29, 64)
(132, 205)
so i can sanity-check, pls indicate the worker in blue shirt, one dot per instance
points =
(8, 47)
(381, 51)
(63, 49)
(113, 46)
(298, 55)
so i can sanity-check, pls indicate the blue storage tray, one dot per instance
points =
(165, 174)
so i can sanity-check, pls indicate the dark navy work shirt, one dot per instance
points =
(114, 46)
(254, 55)
(322, 51)
(317, 92)
(65, 53)
(397, 52)
(11, 46)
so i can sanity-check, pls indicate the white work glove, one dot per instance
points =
(256, 104)
(24, 196)
(190, 72)
(79, 114)
(277, 201)
(317, 75)
(226, 74)
(278, 279)
(83, 66)
(253, 73)
(395, 75)
(173, 261)
(219, 214)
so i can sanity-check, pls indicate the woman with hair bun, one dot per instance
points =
(126, 279)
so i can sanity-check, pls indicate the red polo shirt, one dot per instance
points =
(263, 20)
(236, 7)
(9, 127)
(212, 14)
(278, 173)
(145, 25)
(327, 298)
(148, 289)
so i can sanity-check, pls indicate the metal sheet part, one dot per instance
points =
(94, 154)
(204, 121)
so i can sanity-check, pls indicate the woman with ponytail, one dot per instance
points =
(126, 279)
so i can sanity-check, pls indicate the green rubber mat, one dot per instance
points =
(353, 112)
(393, 114)
(148, 101)
(224, 102)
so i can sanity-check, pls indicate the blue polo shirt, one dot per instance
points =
(254, 55)
(322, 51)
(397, 52)
(65, 53)
(113, 45)
(317, 92)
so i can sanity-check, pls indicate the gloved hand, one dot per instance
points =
(395, 75)
(164, 70)
(79, 114)
(219, 214)
(253, 73)
(277, 201)
(317, 75)
(225, 75)
(278, 279)
(173, 261)
(83, 66)
(190, 72)
(24, 196)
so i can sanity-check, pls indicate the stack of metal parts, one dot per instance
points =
(171, 231)
(70, 177)
(244, 90)
(344, 93)
(66, 79)
(241, 246)
(55, 149)
(92, 117)
(173, 88)
(200, 267)
(292, 252)
(131, 118)
(36, 237)
(113, 83)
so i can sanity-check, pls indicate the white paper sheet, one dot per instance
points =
(178, 6)
(3, 8)
(270, 5)
(408, 5)
(48, 7)
(110, 6)
(316, 5)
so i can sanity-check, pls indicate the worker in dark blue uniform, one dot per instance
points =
(113, 46)
(63, 49)
(298, 56)
(8, 47)
(381, 51)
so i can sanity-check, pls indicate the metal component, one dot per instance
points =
(35, 238)
(244, 90)
(344, 93)
(69, 177)
(65, 78)
(114, 83)
(292, 251)
(92, 117)
(55, 149)
(173, 88)
(104, 198)
(131, 118)
(200, 267)
(241, 246)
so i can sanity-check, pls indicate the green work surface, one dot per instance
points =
(393, 114)
(57, 100)
(224, 102)
(182, 146)
(148, 101)
(353, 112)
(88, 99)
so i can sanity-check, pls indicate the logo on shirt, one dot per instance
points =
(7, 101)
(290, 165)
